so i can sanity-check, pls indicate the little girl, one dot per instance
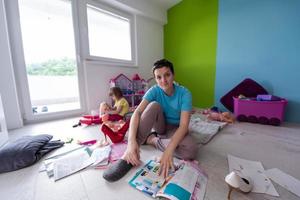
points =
(120, 108)
(112, 118)
(109, 115)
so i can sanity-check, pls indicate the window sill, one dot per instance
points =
(110, 62)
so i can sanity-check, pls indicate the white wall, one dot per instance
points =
(7, 78)
(149, 49)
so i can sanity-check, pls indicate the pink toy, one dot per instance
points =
(123, 82)
(134, 89)
(88, 142)
(264, 112)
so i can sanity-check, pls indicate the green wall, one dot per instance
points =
(190, 42)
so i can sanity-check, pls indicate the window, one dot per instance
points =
(51, 67)
(51, 39)
(110, 34)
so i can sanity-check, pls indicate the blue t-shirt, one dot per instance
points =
(181, 100)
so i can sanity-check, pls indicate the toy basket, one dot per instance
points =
(263, 112)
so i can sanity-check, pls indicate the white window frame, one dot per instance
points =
(80, 24)
(3, 127)
(14, 26)
(83, 21)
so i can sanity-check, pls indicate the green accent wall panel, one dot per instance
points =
(190, 42)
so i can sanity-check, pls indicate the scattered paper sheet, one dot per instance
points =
(73, 162)
(288, 182)
(254, 170)
(67, 148)
(73, 159)
(100, 156)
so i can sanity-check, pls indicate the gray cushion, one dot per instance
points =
(25, 151)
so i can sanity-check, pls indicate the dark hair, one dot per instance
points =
(163, 63)
(116, 91)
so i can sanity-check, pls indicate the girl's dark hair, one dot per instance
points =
(163, 63)
(116, 91)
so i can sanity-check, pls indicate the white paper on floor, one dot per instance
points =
(254, 170)
(71, 163)
(74, 158)
(100, 156)
(67, 148)
(285, 180)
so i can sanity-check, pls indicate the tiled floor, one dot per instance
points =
(275, 147)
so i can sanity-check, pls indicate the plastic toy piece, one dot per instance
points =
(69, 140)
(44, 109)
(267, 97)
(88, 142)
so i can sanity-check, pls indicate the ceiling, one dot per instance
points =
(166, 4)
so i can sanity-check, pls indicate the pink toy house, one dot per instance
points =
(133, 90)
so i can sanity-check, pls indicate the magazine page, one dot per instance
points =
(200, 187)
(100, 156)
(71, 163)
(182, 184)
(148, 180)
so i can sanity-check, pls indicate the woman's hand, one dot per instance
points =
(166, 162)
(132, 153)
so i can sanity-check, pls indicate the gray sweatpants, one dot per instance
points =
(153, 118)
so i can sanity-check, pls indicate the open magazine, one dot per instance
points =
(187, 182)
(73, 159)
